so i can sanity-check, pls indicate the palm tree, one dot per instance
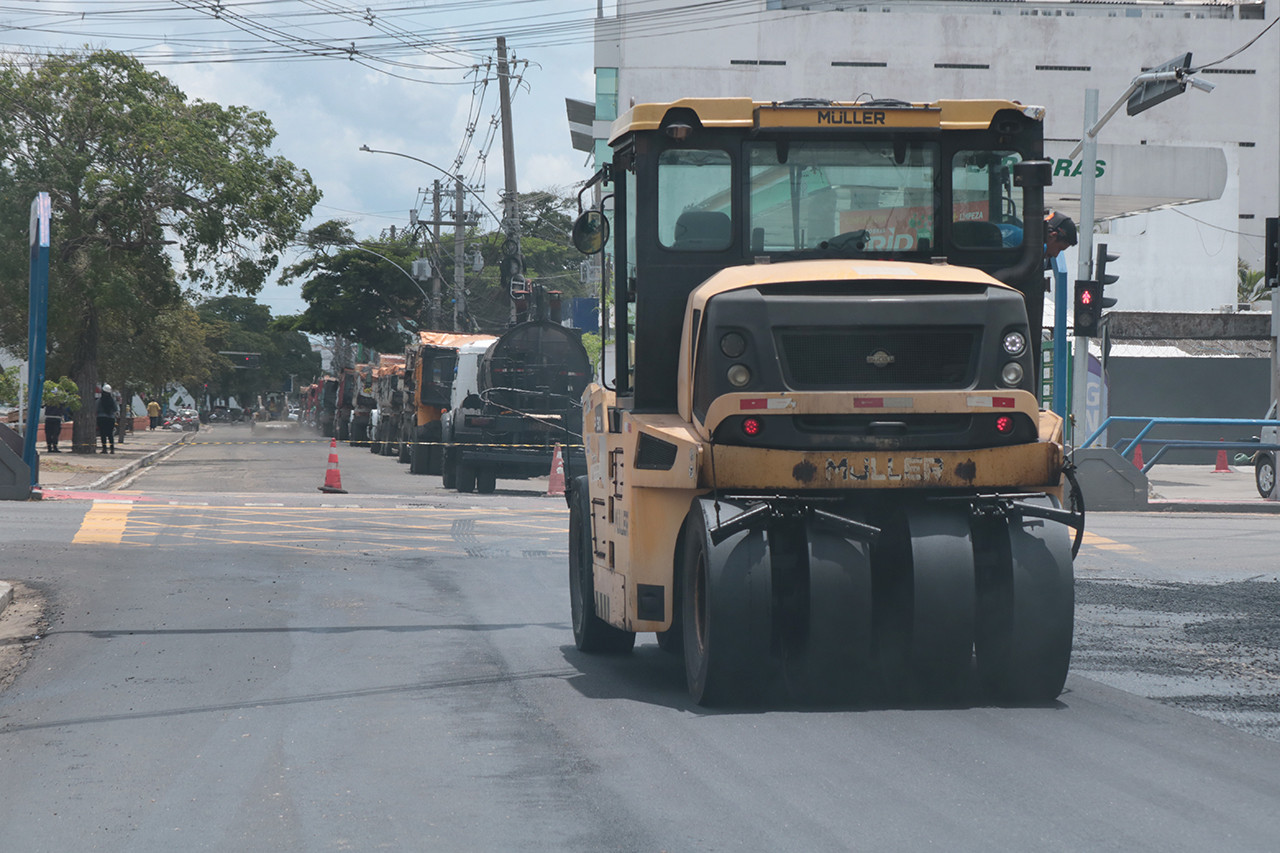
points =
(1249, 288)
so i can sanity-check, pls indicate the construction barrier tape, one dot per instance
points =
(365, 444)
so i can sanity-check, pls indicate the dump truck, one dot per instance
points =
(431, 369)
(390, 401)
(821, 466)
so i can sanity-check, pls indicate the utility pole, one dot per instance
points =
(512, 259)
(459, 271)
(435, 267)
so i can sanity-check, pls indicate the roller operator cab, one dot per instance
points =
(822, 463)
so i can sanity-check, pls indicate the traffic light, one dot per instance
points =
(1102, 278)
(1088, 309)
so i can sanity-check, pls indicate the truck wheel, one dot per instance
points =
(448, 470)
(466, 477)
(591, 634)
(419, 462)
(1264, 474)
(486, 481)
(726, 612)
(405, 449)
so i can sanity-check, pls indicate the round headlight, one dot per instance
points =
(739, 375)
(1011, 373)
(733, 345)
(1014, 343)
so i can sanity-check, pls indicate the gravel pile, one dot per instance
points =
(1213, 649)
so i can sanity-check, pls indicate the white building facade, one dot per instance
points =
(1185, 186)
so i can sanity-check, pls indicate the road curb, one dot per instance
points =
(6, 594)
(107, 480)
(1258, 508)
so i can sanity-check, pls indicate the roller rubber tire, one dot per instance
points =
(834, 660)
(1027, 611)
(925, 599)
(486, 481)
(726, 611)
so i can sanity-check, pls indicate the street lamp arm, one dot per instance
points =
(444, 172)
(1135, 85)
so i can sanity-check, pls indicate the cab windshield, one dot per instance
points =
(854, 197)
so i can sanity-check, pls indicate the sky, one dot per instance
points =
(416, 77)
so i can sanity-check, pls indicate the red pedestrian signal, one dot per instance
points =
(1088, 309)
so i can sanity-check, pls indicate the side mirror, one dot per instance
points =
(591, 232)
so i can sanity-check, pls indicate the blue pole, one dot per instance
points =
(37, 326)
(1061, 360)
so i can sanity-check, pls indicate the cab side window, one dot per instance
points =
(694, 192)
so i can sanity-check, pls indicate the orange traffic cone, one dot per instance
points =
(555, 485)
(333, 477)
(1222, 467)
(1137, 457)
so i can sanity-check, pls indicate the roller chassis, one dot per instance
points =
(873, 594)
(841, 484)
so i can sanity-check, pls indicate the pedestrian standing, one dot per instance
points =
(107, 411)
(53, 417)
(153, 412)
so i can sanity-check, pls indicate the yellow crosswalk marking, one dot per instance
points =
(1102, 543)
(104, 523)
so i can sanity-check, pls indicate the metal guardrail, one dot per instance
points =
(1126, 447)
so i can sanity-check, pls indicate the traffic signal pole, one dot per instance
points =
(1084, 266)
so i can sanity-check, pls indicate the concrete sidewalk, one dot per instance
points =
(1201, 488)
(97, 471)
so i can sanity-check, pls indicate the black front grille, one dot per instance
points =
(856, 359)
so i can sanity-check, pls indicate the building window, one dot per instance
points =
(964, 66)
(606, 94)
(1064, 67)
(857, 64)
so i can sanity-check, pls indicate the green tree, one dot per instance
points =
(241, 324)
(9, 382)
(1250, 287)
(63, 392)
(138, 176)
(360, 290)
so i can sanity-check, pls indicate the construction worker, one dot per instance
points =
(1059, 233)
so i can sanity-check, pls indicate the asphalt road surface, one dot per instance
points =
(229, 660)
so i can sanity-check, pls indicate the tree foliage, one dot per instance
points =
(141, 181)
(361, 289)
(1249, 287)
(241, 325)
